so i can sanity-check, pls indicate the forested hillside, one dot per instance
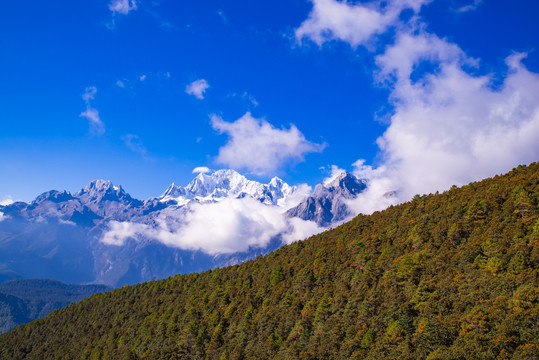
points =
(24, 300)
(445, 276)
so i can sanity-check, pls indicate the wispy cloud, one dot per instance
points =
(97, 127)
(134, 143)
(245, 96)
(473, 5)
(222, 16)
(260, 148)
(197, 88)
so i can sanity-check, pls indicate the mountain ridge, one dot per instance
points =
(63, 235)
(444, 276)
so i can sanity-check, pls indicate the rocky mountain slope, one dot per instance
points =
(446, 276)
(327, 204)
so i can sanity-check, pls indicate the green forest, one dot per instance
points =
(24, 300)
(445, 276)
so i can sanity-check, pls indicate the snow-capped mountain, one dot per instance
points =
(61, 235)
(223, 184)
(327, 204)
(100, 199)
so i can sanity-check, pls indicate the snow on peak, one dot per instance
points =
(227, 183)
(96, 186)
(102, 189)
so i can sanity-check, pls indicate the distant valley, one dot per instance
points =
(22, 301)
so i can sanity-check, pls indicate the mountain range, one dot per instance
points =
(63, 236)
(452, 275)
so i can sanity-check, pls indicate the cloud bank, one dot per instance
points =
(260, 148)
(229, 226)
(448, 125)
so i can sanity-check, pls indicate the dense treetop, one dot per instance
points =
(444, 276)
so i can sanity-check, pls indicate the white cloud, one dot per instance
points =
(89, 94)
(142, 77)
(122, 6)
(8, 200)
(448, 125)
(355, 23)
(255, 145)
(2, 216)
(201, 169)
(379, 193)
(225, 227)
(97, 127)
(300, 229)
(473, 5)
(120, 83)
(197, 88)
(118, 232)
(451, 127)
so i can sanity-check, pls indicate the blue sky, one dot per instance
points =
(292, 88)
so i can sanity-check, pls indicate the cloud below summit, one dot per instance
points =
(225, 227)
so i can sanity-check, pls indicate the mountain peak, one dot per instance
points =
(54, 196)
(96, 186)
(327, 204)
(345, 183)
(173, 191)
(227, 183)
(99, 190)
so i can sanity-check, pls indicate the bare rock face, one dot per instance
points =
(327, 203)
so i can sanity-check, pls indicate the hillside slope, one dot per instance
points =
(446, 276)
(24, 300)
